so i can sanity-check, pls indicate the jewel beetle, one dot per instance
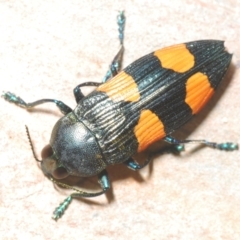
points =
(133, 108)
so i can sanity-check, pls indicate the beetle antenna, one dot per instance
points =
(30, 141)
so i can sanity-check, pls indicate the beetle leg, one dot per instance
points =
(116, 63)
(102, 179)
(77, 91)
(134, 165)
(11, 97)
(227, 146)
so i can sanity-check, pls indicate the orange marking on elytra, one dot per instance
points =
(121, 88)
(177, 58)
(148, 130)
(198, 91)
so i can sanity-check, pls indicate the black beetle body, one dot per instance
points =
(140, 105)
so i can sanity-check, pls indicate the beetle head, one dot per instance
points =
(73, 150)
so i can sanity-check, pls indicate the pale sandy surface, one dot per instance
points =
(46, 49)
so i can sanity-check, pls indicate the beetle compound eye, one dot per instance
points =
(49, 164)
(47, 152)
(60, 173)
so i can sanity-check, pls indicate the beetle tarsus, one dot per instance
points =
(121, 19)
(228, 146)
(12, 98)
(59, 211)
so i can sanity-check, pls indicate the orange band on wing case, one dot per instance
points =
(121, 88)
(198, 91)
(148, 130)
(177, 58)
